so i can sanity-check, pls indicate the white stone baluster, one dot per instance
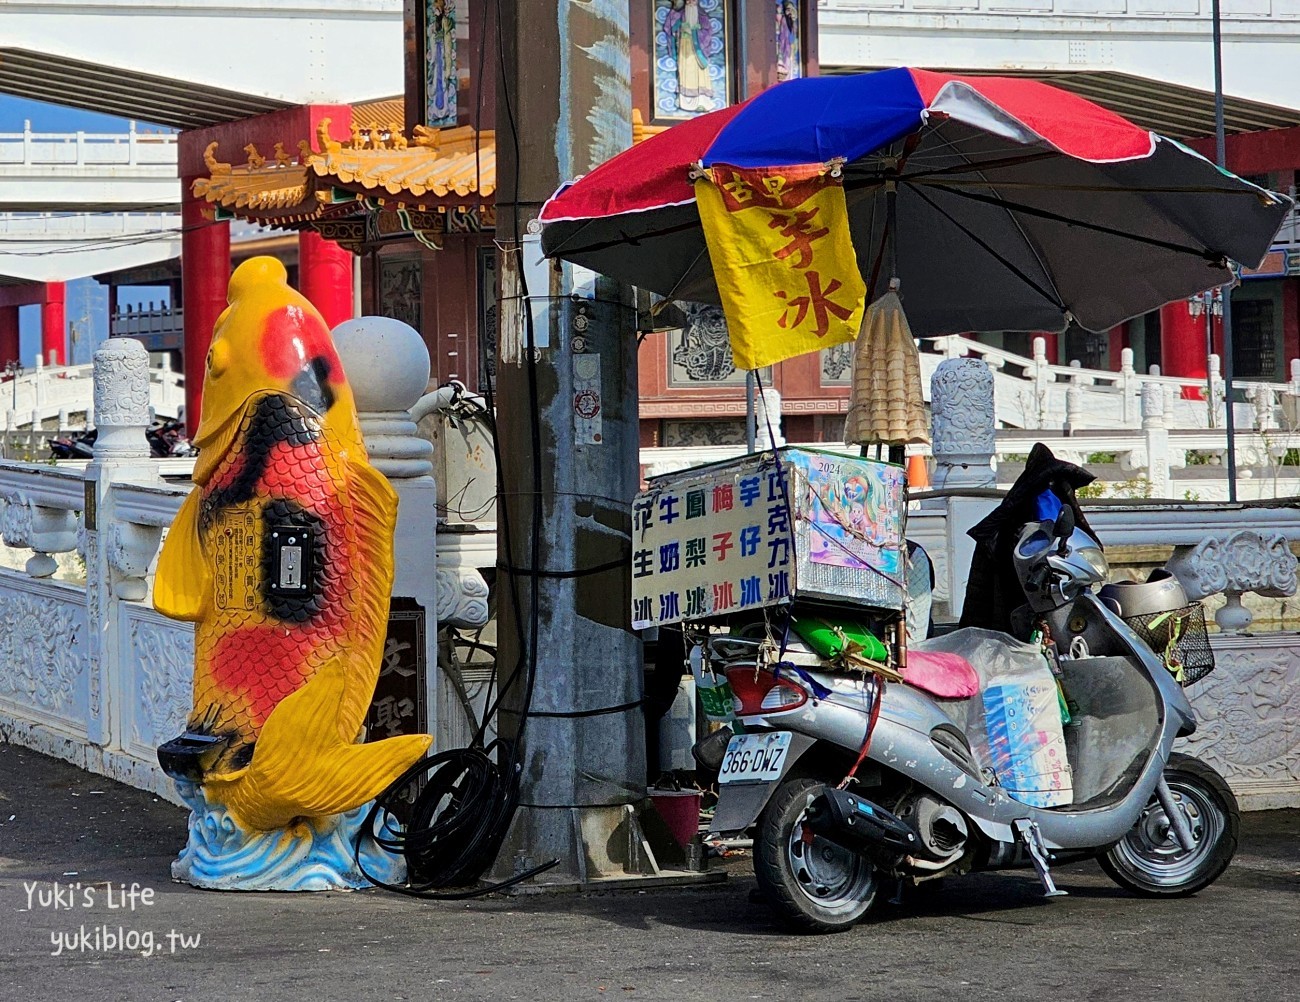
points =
(51, 530)
(16, 521)
(39, 383)
(387, 364)
(1235, 564)
(1261, 397)
(1042, 380)
(1156, 435)
(121, 375)
(1073, 408)
(1129, 388)
(129, 549)
(961, 403)
(1216, 388)
(114, 550)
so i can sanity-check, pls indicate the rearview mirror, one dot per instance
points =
(1063, 529)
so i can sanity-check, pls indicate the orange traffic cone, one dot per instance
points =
(918, 474)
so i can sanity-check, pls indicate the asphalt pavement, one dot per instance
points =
(988, 936)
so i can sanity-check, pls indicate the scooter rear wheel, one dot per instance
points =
(1150, 861)
(813, 886)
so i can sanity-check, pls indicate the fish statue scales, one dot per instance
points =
(282, 557)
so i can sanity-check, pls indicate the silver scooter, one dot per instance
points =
(920, 805)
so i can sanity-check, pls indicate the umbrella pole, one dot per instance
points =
(751, 415)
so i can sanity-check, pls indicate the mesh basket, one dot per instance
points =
(1180, 638)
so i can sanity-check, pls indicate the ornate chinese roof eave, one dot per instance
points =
(448, 173)
(440, 168)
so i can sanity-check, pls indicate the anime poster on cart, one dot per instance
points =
(853, 511)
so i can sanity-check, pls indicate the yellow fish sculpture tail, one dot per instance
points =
(282, 557)
(303, 768)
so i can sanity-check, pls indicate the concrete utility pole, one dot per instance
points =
(567, 419)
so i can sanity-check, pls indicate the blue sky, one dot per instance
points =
(56, 118)
(87, 300)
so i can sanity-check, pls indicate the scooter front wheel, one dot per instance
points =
(1150, 861)
(812, 884)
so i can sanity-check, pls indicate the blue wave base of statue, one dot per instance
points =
(317, 855)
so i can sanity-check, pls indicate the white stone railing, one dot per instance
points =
(1034, 393)
(65, 394)
(89, 672)
(28, 149)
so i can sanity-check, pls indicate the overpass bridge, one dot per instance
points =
(88, 171)
(183, 65)
(55, 247)
(191, 65)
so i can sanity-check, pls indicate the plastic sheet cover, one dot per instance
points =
(1014, 726)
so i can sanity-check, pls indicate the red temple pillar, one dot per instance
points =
(8, 334)
(1182, 341)
(205, 273)
(54, 325)
(1290, 322)
(1117, 340)
(325, 276)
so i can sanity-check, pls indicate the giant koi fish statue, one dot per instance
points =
(282, 557)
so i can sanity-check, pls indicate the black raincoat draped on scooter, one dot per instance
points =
(993, 591)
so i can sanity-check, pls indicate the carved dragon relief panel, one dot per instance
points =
(43, 646)
(1246, 724)
(163, 654)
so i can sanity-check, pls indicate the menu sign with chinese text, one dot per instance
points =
(756, 532)
(712, 544)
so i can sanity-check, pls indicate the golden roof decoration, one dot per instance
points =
(247, 187)
(436, 164)
(432, 169)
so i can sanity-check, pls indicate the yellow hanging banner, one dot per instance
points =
(779, 242)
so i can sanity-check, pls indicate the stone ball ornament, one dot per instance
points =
(386, 362)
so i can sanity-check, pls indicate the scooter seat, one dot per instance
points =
(948, 676)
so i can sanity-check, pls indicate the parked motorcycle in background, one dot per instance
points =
(166, 438)
(866, 766)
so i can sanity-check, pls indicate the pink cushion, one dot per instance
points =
(949, 676)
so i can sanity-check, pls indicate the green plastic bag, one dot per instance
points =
(830, 638)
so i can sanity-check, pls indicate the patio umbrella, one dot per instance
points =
(1016, 206)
